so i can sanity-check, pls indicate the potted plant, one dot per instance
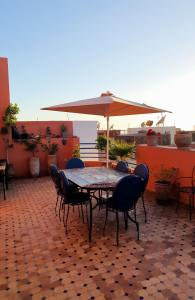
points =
(165, 180)
(183, 139)
(101, 143)
(76, 151)
(122, 149)
(9, 120)
(34, 163)
(50, 148)
(151, 137)
(63, 129)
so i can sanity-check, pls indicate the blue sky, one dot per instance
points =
(60, 51)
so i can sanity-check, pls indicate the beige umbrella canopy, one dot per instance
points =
(106, 105)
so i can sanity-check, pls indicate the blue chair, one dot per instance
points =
(124, 199)
(122, 166)
(142, 171)
(56, 180)
(72, 197)
(74, 163)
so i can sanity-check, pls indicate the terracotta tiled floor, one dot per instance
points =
(38, 261)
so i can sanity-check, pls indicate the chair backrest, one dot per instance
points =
(122, 166)
(55, 176)
(127, 192)
(75, 162)
(64, 184)
(142, 171)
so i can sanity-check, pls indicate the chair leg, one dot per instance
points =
(144, 207)
(117, 228)
(67, 219)
(135, 212)
(64, 213)
(4, 184)
(57, 199)
(126, 220)
(78, 210)
(104, 229)
(87, 216)
(60, 207)
(137, 224)
(82, 213)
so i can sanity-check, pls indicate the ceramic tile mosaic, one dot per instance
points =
(38, 261)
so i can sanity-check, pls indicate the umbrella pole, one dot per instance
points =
(107, 147)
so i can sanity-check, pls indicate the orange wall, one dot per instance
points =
(39, 127)
(169, 157)
(4, 97)
(19, 157)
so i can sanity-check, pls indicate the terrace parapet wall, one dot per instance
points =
(19, 157)
(168, 157)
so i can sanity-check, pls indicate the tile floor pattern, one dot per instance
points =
(38, 261)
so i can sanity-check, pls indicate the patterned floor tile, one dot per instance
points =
(38, 261)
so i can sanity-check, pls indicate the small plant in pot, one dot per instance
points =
(63, 129)
(32, 146)
(164, 184)
(122, 149)
(151, 137)
(50, 148)
(9, 120)
(101, 143)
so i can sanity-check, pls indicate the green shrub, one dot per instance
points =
(121, 149)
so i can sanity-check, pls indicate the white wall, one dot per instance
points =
(87, 132)
(170, 129)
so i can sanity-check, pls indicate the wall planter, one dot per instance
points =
(34, 166)
(64, 141)
(183, 139)
(152, 140)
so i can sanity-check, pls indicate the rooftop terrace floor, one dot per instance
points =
(38, 261)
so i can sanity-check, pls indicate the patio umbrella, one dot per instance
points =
(106, 105)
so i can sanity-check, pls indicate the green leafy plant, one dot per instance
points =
(63, 128)
(32, 145)
(76, 151)
(101, 142)
(49, 147)
(9, 120)
(11, 113)
(121, 149)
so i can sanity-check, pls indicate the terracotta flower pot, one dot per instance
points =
(163, 192)
(152, 140)
(183, 140)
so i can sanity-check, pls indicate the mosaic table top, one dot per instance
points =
(94, 177)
